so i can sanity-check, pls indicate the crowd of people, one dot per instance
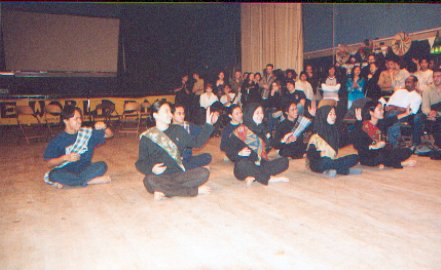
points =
(255, 113)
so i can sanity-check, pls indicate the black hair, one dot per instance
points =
(69, 112)
(291, 81)
(353, 69)
(424, 58)
(393, 59)
(368, 107)
(415, 79)
(177, 105)
(157, 105)
(294, 73)
(436, 70)
(269, 65)
(303, 73)
(230, 109)
(287, 106)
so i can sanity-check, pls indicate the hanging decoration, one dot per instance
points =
(401, 43)
(436, 47)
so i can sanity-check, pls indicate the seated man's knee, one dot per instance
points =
(207, 157)
(148, 183)
(101, 167)
(55, 175)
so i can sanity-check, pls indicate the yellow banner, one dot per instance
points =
(8, 114)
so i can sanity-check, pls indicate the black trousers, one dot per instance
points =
(183, 184)
(341, 165)
(244, 168)
(197, 161)
(389, 158)
(293, 150)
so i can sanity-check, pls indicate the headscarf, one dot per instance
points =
(259, 130)
(252, 134)
(327, 132)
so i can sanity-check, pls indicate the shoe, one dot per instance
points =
(355, 171)
(330, 173)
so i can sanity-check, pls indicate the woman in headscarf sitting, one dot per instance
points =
(248, 147)
(323, 146)
(369, 139)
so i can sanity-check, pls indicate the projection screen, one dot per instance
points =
(43, 42)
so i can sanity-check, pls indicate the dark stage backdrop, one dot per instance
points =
(157, 43)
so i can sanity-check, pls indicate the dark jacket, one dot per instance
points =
(150, 153)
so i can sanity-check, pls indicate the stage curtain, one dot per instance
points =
(271, 33)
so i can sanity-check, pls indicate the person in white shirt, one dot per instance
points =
(208, 97)
(424, 75)
(400, 77)
(229, 97)
(399, 102)
(305, 86)
(331, 85)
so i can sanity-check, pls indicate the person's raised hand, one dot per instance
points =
(100, 125)
(211, 117)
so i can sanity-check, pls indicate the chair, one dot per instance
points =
(52, 118)
(32, 130)
(405, 138)
(105, 112)
(130, 118)
(146, 118)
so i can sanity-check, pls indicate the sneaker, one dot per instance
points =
(330, 173)
(354, 171)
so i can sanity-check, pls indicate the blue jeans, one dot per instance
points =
(418, 128)
(69, 178)
(394, 132)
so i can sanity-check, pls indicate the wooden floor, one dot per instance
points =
(388, 219)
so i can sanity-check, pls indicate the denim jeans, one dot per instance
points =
(417, 123)
(69, 178)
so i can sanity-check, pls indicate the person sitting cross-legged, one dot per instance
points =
(293, 147)
(248, 147)
(160, 155)
(323, 146)
(188, 159)
(370, 141)
(69, 154)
